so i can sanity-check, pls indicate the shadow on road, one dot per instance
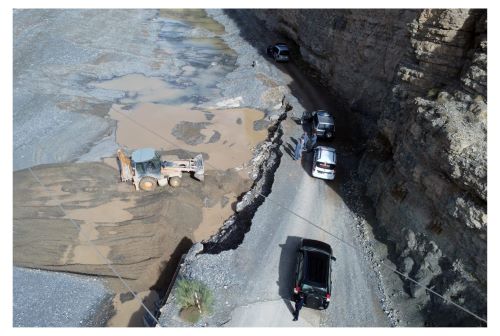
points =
(290, 147)
(287, 269)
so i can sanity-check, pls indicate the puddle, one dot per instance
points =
(228, 137)
(196, 17)
(129, 313)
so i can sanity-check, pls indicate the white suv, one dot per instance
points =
(324, 163)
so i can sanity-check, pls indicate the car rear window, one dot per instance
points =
(325, 165)
(284, 53)
(317, 268)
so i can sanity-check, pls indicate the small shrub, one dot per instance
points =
(194, 298)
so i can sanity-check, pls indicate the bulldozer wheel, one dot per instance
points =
(175, 181)
(148, 183)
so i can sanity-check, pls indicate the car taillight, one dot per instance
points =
(296, 290)
(327, 297)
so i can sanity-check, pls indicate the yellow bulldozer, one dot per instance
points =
(146, 170)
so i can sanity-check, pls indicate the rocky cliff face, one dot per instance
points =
(414, 85)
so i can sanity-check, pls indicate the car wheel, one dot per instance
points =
(148, 183)
(174, 181)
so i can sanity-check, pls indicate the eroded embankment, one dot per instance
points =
(233, 231)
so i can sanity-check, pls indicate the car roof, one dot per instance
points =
(143, 155)
(325, 117)
(281, 46)
(326, 154)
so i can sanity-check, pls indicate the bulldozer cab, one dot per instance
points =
(146, 162)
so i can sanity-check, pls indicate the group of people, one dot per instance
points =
(305, 143)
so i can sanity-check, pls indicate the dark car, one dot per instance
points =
(313, 273)
(323, 123)
(279, 52)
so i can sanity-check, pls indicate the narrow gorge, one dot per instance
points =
(414, 86)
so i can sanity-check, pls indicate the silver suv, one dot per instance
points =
(279, 52)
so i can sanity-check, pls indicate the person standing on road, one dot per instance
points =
(305, 136)
(299, 302)
(298, 149)
(313, 140)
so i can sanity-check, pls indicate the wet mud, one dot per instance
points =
(136, 231)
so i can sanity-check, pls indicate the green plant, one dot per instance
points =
(194, 298)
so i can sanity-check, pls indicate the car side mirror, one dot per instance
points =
(333, 258)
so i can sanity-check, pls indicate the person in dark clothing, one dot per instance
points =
(312, 141)
(299, 302)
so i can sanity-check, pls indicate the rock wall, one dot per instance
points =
(414, 85)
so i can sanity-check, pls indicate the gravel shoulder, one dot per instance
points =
(47, 299)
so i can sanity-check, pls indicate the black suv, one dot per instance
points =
(323, 124)
(313, 273)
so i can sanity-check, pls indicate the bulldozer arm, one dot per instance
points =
(126, 173)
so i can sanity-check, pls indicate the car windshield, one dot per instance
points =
(153, 166)
(325, 165)
(322, 126)
(306, 288)
(316, 269)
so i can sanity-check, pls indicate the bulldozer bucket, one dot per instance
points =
(199, 171)
(126, 173)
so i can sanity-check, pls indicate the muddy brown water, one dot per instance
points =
(152, 125)
(142, 234)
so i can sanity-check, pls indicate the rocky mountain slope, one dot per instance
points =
(414, 85)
